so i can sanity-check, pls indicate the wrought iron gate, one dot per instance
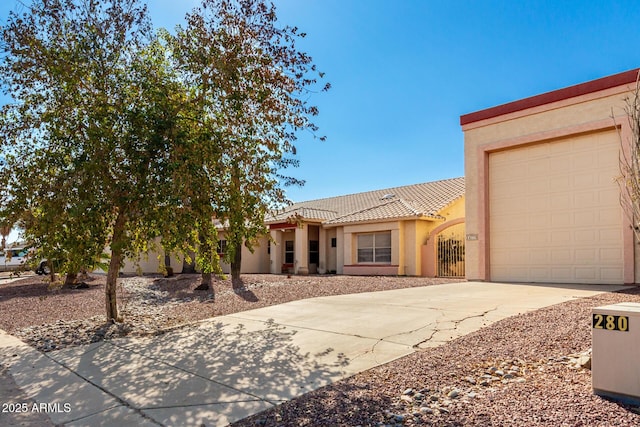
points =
(450, 252)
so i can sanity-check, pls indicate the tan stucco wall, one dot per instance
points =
(277, 257)
(340, 250)
(277, 253)
(411, 264)
(560, 119)
(149, 263)
(636, 262)
(455, 210)
(331, 253)
(256, 262)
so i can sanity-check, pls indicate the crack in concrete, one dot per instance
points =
(386, 339)
(456, 323)
(308, 328)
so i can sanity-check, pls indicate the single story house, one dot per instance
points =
(543, 201)
(415, 230)
(384, 232)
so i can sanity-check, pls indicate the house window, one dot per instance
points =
(374, 248)
(269, 247)
(288, 252)
(222, 247)
(334, 242)
(314, 252)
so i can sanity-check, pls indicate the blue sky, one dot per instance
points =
(403, 71)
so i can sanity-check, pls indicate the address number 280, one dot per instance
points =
(610, 322)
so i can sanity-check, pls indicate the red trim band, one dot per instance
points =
(603, 83)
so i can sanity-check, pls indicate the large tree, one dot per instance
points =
(88, 142)
(251, 84)
(117, 136)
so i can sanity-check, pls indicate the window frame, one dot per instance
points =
(291, 252)
(222, 247)
(314, 252)
(362, 252)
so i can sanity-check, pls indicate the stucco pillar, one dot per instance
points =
(412, 249)
(397, 250)
(322, 251)
(340, 253)
(275, 257)
(301, 263)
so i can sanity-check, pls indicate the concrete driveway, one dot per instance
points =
(224, 369)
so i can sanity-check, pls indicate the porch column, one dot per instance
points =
(322, 251)
(397, 250)
(301, 264)
(340, 250)
(275, 257)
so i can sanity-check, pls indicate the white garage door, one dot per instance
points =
(555, 214)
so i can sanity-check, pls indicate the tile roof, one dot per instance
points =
(305, 212)
(417, 200)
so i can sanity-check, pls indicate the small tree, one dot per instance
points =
(630, 161)
(89, 141)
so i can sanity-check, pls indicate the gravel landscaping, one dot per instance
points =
(522, 371)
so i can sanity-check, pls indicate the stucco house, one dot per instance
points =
(542, 201)
(415, 230)
(392, 231)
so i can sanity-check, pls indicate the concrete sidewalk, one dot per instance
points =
(224, 369)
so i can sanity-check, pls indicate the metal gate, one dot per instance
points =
(450, 252)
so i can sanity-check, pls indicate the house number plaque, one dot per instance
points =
(610, 322)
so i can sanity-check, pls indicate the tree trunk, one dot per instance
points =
(236, 264)
(189, 268)
(52, 272)
(4, 230)
(70, 280)
(206, 282)
(114, 269)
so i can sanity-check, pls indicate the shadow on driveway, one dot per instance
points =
(213, 373)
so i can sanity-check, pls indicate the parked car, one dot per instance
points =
(12, 258)
(43, 267)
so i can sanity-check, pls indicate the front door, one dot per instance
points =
(289, 256)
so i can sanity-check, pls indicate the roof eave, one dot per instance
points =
(424, 217)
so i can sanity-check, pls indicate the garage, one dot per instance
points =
(542, 190)
(554, 211)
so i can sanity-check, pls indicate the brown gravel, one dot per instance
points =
(419, 389)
